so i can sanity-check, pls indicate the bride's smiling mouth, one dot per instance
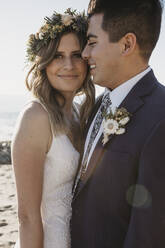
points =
(68, 76)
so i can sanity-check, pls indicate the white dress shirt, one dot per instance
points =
(116, 96)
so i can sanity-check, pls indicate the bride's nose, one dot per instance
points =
(68, 63)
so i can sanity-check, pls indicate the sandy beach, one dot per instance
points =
(8, 209)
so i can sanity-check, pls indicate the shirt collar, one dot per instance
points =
(119, 93)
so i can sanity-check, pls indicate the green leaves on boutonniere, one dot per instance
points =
(114, 123)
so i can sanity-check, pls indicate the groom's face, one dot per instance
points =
(104, 57)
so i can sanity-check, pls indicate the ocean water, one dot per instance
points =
(10, 106)
(7, 123)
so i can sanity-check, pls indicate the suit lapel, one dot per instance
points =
(133, 102)
(94, 160)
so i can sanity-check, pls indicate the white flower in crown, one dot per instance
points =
(37, 36)
(114, 123)
(41, 36)
(67, 19)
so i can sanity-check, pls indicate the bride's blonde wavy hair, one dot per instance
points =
(37, 82)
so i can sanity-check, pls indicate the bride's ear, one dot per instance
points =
(128, 44)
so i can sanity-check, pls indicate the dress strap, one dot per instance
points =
(38, 101)
(44, 107)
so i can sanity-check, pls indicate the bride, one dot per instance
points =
(47, 141)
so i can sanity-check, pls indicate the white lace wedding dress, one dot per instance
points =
(59, 172)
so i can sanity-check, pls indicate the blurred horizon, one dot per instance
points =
(18, 19)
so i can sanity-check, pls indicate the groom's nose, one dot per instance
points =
(86, 52)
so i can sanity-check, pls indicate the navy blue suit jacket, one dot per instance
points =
(121, 202)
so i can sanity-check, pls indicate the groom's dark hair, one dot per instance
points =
(141, 17)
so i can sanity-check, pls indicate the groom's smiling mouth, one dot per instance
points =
(92, 67)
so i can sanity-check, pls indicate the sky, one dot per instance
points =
(20, 18)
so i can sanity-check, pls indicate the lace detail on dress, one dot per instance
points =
(60, 168)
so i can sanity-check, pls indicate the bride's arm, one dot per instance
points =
(29, 147)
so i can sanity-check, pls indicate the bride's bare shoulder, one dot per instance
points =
(33, 120)
(34, 112)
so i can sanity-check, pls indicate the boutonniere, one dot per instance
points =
(114, 123)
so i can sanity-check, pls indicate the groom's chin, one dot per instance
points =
(97, 82)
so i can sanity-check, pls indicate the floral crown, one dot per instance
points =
(58, 23)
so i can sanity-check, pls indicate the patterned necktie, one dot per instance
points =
(106, 102)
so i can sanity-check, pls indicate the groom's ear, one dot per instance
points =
(128, 44)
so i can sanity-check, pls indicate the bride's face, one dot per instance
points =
(68, 70)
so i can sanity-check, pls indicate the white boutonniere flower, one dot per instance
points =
(114, 123)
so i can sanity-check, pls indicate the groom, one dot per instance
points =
(119, 199)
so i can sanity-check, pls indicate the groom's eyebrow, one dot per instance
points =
(91, 36)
